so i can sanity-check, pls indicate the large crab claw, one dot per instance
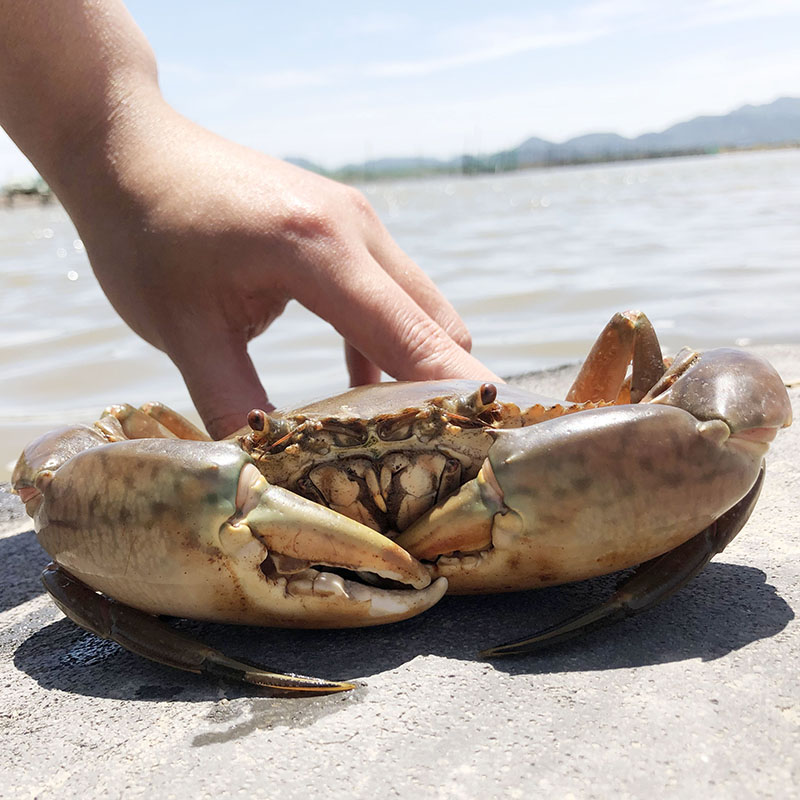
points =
(591, 493)
(192, 529)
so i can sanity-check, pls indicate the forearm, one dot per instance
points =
(78, 81)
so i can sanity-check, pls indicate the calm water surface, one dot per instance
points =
(535, 262)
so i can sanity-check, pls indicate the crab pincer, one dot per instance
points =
(192, 529)
(608, 488)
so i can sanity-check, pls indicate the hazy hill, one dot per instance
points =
(394, 166)
(776, 123)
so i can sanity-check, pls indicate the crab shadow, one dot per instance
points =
(23, 561)
(725, 608)
(20, 554)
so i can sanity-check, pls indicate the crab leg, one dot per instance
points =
(152, 420)
(174, 422)
(628, 339)
(650, 584)
(153, 639)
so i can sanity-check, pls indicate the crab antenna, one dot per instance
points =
(650, 584)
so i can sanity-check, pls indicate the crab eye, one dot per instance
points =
(257, 420)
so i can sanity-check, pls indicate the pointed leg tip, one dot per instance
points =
(243, 672)
(649, 585)
(309, 689)
(328, 687)
(152, 638)
(297, 684)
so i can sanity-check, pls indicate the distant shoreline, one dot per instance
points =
(11, 195)
(475, 166)
(769, 126)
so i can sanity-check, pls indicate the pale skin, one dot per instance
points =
(199, 242)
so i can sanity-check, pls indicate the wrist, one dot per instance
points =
(97, 159)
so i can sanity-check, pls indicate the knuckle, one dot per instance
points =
(359, 203)
(303, 222)
(427, 348)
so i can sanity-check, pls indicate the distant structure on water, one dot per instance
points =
(33, 190)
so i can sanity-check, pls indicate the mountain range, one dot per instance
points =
(771, 124)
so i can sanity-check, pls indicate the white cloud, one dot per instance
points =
(678, 14)
(714, 12)
(508, 47)
(498, 37)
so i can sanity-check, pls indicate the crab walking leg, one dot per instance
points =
(153, 639)
(650, 584)
(174, 422)
(151, 421)
(628, 339)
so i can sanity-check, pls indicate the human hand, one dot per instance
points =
(198, 242)
(201, 243)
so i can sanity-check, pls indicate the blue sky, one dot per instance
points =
(341, 82)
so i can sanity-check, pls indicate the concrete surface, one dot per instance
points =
(698, 698)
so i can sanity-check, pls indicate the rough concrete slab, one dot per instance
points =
(697, 698)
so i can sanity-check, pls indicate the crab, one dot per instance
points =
(365, 508)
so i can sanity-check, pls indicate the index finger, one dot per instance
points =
(379, 318)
